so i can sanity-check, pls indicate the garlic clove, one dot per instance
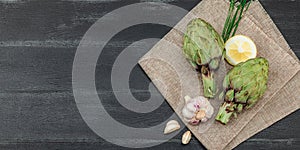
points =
(194, 121)
(187, 114)
(202, 100)
(204, 120)
(209, 111)
(191, 107)
(187, 99)
(171, 126)
(186, 137)
(172, 122)
(200, 114)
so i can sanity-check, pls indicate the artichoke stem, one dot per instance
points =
(223, 115)
(209, 85)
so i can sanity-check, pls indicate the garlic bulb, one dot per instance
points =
(197, 110)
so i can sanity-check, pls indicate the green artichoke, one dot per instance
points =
(244, 85)
(203, 47)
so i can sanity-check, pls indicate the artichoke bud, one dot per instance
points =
(214, 63)
(242, 96)
(205, 70)
(229, 95)
(246, 82)
(251, 101)
(239, 108)
(235, 115)
(237, 83)
(203, 47)
(230, 108)
(226, 82)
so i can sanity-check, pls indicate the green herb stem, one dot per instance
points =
(231, 8)
(235, 14)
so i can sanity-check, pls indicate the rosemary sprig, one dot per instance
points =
(235, 14)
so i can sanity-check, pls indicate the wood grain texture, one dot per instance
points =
(38, 40)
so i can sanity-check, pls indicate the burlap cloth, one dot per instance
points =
(167, 67)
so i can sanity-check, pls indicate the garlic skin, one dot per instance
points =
(197, 110)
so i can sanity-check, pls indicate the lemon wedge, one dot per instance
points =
(239, 48)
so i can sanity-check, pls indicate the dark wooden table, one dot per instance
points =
(38, 41)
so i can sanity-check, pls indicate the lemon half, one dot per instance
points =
(239, 48)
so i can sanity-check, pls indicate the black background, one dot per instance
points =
(38, 41)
